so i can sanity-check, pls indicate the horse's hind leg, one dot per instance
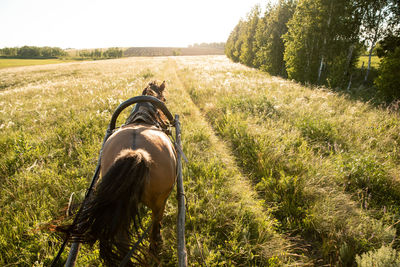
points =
(155, 234)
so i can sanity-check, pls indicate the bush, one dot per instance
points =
(383, 257)
(388, 80)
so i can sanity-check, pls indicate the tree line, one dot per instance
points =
(32, 52)
(320, 41)
(112, 52)
(56, 52)
(220, 45)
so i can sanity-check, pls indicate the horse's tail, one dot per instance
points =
(109, 213)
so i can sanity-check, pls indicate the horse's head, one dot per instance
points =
(153, 89)
(146, 112)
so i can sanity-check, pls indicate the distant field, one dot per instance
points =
(172, 51)
(158, 51)
(374, 61)
(16, 62)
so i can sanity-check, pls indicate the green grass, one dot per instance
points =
(14, 62)
(364, 59)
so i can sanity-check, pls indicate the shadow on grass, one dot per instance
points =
(361, 90)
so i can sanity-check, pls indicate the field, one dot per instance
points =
(14, 62)
(172, 51)
(158, 51)
(364, 60)
(278, 173)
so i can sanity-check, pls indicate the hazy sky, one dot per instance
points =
(123, 23)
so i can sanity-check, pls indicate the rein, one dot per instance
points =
(128, 255)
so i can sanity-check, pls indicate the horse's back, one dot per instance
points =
(157, 144)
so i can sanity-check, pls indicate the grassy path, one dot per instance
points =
(225, 212)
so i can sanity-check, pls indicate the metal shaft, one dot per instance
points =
(73, 254)
(182, 255)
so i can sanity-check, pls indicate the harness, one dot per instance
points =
(144, 112)
(147, 113)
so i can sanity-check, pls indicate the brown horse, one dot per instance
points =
(138, 165)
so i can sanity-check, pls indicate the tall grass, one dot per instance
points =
(327, 165)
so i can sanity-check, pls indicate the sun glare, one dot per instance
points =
(90, 24)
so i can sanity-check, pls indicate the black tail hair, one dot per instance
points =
(108, 214)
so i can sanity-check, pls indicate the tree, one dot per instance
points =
(388, 81)
(113, 52)
(268, 40)
(84, 53)
(303, 42)
(247, 52)
(261, 40)
(241, 38)
(377, 16)
(320, 36)
(231, 42)
(29, 52)
(58, 52)
(46, 51)
(234, 42)
(9, 51)
(388, 45)
(220, 45)
(97, 53)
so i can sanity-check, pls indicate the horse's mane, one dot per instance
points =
(146, 112)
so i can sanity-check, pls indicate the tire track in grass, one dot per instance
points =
(228, 224)
(328, 220)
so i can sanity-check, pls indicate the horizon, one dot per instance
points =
(83, 48)
(88, 25)
(188, 46)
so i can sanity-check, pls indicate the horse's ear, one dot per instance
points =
(162, 86)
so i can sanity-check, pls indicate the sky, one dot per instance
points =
(119, 23)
